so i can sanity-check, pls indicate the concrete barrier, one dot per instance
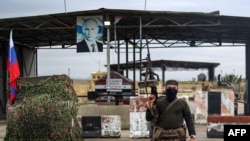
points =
(215, 124)
(99, 110)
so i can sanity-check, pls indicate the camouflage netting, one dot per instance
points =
(45, 110)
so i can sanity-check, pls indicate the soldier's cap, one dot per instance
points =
(172, 82)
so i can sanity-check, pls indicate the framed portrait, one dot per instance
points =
(89, 34)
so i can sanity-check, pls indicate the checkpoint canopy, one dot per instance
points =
(163, 29)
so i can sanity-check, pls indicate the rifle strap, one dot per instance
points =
(167, 108)
(154, 111)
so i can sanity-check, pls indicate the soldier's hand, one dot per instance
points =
(192, 138)
(151, 101)
(152, 98)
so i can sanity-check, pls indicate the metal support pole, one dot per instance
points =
(108, 59)
(247, 97)
(107, 24)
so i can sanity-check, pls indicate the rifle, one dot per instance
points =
(150, 79)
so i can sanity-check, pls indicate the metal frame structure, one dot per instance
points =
(164, 29)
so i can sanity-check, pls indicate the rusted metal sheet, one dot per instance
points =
(139, 126)
(111, 125)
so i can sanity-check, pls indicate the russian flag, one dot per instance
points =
(13, 69)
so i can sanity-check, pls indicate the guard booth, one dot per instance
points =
(120, 89)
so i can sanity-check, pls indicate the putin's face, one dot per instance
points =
(91, 30)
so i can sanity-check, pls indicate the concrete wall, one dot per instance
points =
(98, 110)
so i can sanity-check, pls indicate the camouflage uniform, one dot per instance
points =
(172, 120)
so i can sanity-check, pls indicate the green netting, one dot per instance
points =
(45, 110)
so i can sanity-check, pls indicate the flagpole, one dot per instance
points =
(8, 73)
(7, 88)
(7, 80)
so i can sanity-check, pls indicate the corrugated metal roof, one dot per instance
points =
(60, 28)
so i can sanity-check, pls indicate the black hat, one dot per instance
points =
(172, 82)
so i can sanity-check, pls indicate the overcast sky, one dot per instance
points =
(80, 65)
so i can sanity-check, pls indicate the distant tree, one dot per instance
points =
(193, 79)
(202, 77)
(231, 78)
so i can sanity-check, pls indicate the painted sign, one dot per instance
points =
(115, 85)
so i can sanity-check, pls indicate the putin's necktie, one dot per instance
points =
(93, 47)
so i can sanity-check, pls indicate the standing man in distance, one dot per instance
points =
(172, 116)
(90, 29)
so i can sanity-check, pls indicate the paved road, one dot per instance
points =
(201, 130)
(201, 135)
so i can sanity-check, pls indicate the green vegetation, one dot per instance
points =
(231, 78)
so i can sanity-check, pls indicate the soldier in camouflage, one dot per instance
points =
(172, 116)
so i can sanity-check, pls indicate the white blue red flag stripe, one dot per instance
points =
(13, 69)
